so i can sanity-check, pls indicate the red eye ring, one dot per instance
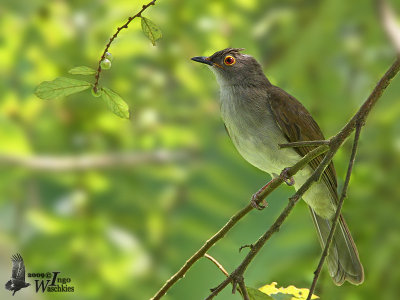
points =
(229, 60)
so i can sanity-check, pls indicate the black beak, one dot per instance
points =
(202, 59)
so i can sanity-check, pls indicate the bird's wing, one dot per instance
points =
(297, 125)
(18, 268)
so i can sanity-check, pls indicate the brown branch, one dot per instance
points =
(274, 183)
(237, 275)
(337, 214)
(86, 162)
(130, 19)
(304, 143)
(357, 121)
(243, 289)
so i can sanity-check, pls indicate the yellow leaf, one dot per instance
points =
(296, 293)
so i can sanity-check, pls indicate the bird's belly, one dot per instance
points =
(260, 148)
(259, 145)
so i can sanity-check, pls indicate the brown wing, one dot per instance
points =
(297, 125)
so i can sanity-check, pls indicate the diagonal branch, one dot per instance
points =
(237, 275)
(335, 142)
(304, 143)
(357, 121)
(274, 183)
(338, 210)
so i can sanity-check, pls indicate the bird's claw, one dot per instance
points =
(289, 180)
(254, 202)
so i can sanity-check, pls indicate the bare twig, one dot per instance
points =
(304, 143)
(337, 214)
(391, 26)
(235, 218)
(216, 262)
(243, 289)
(85, 162)
(130, 19)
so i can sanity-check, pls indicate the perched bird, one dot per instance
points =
(17, 281)
(258, 117)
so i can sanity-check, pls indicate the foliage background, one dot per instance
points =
(120, 233)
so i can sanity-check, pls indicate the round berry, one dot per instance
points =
(97, 93)
(109, 56)
(105, 64)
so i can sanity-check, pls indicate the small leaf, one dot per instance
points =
(151, 30)
(59, 87)
(255, 294)
(82, 70)
(115, 103)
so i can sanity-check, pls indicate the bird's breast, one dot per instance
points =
(253, 129)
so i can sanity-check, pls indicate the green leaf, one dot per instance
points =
(255, 294)
(283, 297)
(151, 30)
(115, 103)
(82, 70)
(59, 87)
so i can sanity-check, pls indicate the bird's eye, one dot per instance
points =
(229, 60)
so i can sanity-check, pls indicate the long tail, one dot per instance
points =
(342, 260)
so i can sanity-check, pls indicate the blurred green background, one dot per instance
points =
(119, 232)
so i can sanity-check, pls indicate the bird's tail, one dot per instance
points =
(342, 260)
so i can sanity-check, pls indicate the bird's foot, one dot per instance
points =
(289, 180)
(256, 198)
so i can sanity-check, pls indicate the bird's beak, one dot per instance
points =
(203, 59)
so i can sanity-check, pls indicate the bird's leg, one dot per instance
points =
(285, 177)
(255, 199)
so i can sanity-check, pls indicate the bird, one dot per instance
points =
(17, 281)
(260, 116)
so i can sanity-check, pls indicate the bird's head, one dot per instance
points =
(231, 67)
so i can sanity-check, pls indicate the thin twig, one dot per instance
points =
(337, 214)
(243, 290)
(304, 143)
(276, 182)
(216, 262)
(130, 19)
(47, 163)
